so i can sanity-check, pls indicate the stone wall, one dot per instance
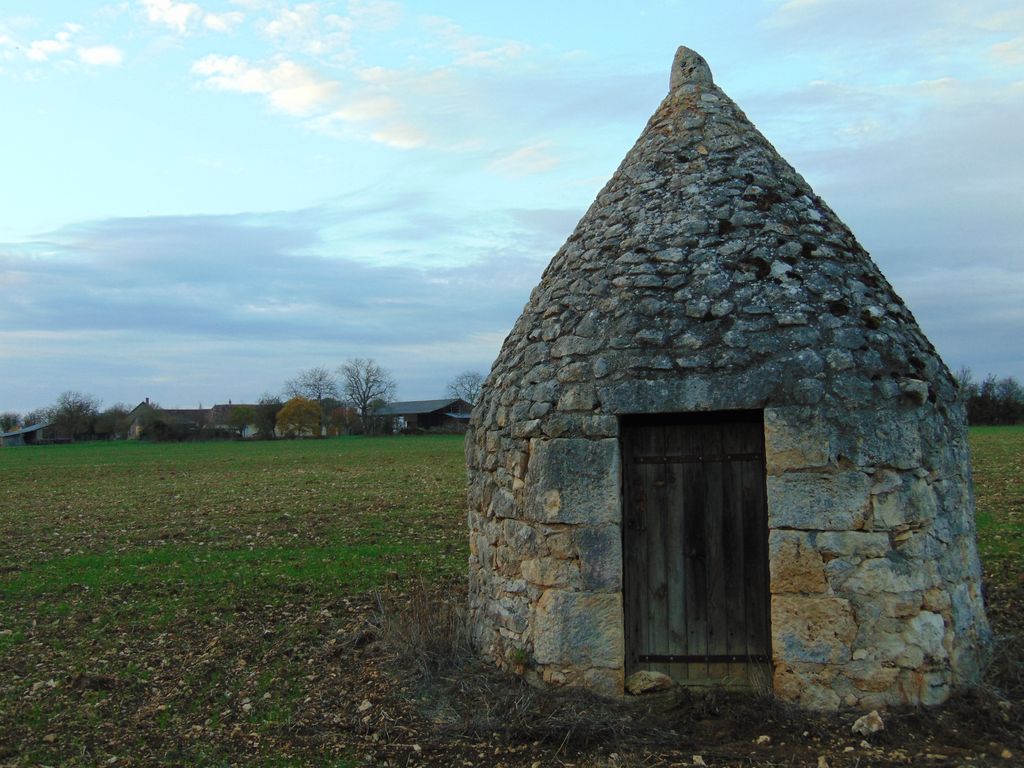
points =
(708, 276)
(875, 580)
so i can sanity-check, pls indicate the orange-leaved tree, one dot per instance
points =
(299, 417)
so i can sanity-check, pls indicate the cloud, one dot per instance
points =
(183, 18)
(223, 22)
(400, 135)
(473, 50)
(240, 302)
(375, 14)
(526, 161)
(177, 16)
(877, 19)
(452, 92)
(1010, 52)
(304, 28)
(41, 50)
(288, 86)
(101, 56)
(62, 43)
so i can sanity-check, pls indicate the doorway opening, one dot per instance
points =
(695, 547)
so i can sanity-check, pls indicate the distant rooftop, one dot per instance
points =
(410, 407)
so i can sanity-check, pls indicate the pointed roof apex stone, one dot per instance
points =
(689, 68)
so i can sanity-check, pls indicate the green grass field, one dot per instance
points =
(119, 559)
(195, 603)
(998, 459)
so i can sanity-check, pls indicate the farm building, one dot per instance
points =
(717, 446)
(222, 417)
(27, 436)
(451, 413)
(186, 420)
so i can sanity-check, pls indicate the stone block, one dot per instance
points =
(809, 685)
(836, 501)
(695, 392)
(573, 481)
(609, 682)
(600, 425)
(927, 688)
(536, 353)
(881, 437)
(563, 425)
(578, 629)
(812, 629)
(852, 543)
(913, 500)
(600, 549)
(897, 605)
(561, 543)
(870, 676)
(574, 345)
(894, 573)
(893, 648)
(807, 391)
(508, 612)
(795, 438)
(936, 600)
(796, 566)
(550, 572)
(579, 397)
(927, 630)
(646, 681)
(502, 504)
(525, 429)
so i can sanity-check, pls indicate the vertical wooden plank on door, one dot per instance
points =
(656, 481)
(755, 576)
(631, 519)
(735, 444)
(694, 551)
(674, 544)
(716, 597)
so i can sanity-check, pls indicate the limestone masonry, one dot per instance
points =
(708, 276)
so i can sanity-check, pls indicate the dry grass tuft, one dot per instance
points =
(426, 634)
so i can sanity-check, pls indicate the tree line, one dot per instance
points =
(320, 401)
(315, 402)
(991, 401)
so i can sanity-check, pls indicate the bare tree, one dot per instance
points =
(267, 409)
(74, 414)
(37, 416)
(466, 386)
(366, 385)
(316, 384)
(113, 422)
(9, 420)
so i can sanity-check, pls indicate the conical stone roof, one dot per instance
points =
(707, 253)
(706, 276)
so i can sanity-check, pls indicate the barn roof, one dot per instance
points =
(223, 411)
(25, 430)
(413, 407)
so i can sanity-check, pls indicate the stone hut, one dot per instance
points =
(716, 445)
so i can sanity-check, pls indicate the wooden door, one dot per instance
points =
(695, 545)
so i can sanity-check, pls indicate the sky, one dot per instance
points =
(201, 199)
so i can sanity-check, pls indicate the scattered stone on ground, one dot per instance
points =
(868, 724)
(646, 681)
